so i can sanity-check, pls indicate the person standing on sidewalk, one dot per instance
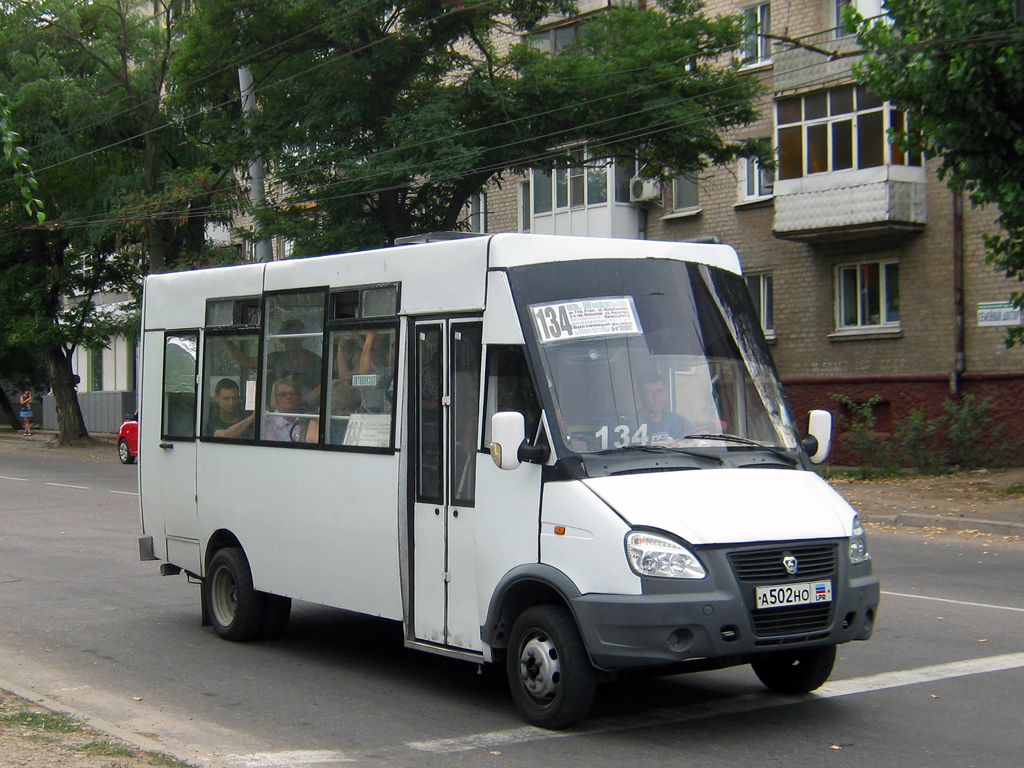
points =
(26, 411)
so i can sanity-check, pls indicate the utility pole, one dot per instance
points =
(257, 188)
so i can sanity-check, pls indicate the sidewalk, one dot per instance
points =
(984, 500)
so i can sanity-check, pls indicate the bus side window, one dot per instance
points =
(360, 402)
(229, 385)
(293, 366)
(179, 386)
(509, 388)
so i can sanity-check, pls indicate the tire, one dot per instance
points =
(124, 453)
(276, 612)
(796, 672)
(549, 671)
(235, 609)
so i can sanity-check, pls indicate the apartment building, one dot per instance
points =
(869, 275)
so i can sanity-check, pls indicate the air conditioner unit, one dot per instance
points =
(643, 190)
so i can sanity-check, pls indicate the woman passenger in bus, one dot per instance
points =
(283, 424)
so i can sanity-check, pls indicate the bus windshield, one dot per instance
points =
(646, 352)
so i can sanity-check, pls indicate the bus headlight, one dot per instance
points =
(651, 554)
(858, 544)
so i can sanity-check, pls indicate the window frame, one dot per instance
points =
(763, 181)
(765, 309)
(164, 433)
(886, 298)
(804, 131)
(760, 52)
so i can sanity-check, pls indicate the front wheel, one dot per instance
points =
(235, 609)
(124, 452)
(796, 672)
(548, 668)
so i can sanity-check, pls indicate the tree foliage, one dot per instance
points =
(958, 70)
(380, 119)
(85, 83)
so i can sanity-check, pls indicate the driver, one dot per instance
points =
(663, 423)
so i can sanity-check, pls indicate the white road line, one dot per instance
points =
(126, 493)
(289, 759)
(19, 479)
(65, 485)
(733, 706)
(955, 602)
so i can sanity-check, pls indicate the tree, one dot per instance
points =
(958, 70)
(124, 190)
(380, 119)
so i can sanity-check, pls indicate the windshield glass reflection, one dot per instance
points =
(650, 353)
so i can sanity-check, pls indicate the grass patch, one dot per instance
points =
(108, 749)
(54, 722)
(1017, 489)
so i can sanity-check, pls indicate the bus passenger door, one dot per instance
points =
(167, 458)
(446, 436)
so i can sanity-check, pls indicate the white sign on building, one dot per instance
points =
(993, 313)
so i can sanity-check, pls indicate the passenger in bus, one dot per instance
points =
(229, 419)
(375, 361)
(296, 363)
(283, 424)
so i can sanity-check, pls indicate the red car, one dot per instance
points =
(128, 439)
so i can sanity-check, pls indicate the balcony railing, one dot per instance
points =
(846, 205)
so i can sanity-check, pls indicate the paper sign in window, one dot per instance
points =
(585, 318)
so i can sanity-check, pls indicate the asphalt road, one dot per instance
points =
(90, 629)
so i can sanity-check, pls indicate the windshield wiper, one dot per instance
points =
(745, 441)
(662, 449)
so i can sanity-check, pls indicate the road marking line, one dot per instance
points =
(956, 602)
(289, 759)
(65, 485)
(733, 706)
(19, 479)
(126, 493)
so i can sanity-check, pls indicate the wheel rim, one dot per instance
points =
(539, 668)
(223, 596)
(122, 448)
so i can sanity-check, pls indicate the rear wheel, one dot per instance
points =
(548, 668)
(796, 672)
(124, 452)
(235, 609)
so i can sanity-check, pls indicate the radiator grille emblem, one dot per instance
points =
(791, 564)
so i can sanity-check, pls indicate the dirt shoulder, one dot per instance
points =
(31, 735)
(988, 500)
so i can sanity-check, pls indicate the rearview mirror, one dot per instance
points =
(819, 436)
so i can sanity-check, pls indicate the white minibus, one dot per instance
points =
(568, 455)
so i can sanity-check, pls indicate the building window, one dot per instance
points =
(868, 295)
(840, 129)
(556, 39)
(755, 182)
(524, 206)
(762, 294)
(756, 48)
(476, 219)
(584, 183)
(685, 193)
(869, 9)
(96, 370)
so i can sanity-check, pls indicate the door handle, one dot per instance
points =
(167, 445)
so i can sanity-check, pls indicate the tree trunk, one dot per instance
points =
(70, 424)
(12, 417)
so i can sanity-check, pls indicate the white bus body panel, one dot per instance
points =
(592, 550)
(728, 506)
(347, 505)
(436, 278)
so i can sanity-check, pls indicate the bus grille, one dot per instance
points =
(794, 620)
(764, 566)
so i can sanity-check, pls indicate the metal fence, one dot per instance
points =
(102, 411)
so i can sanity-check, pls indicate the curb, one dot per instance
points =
(913, 520)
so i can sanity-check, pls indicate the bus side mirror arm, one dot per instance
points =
(819, 436)
(509, 447)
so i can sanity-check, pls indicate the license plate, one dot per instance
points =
(794, 594)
